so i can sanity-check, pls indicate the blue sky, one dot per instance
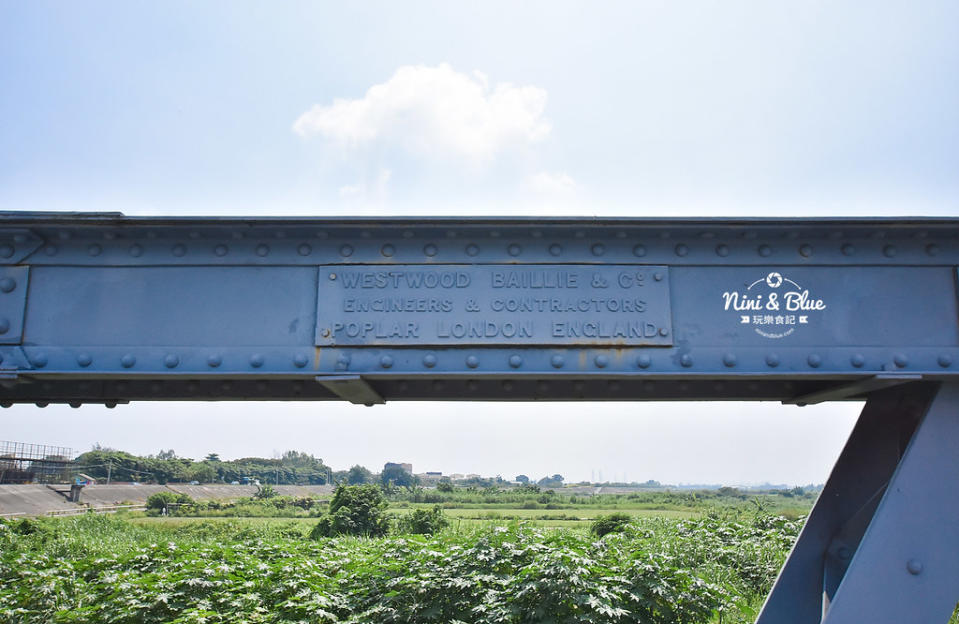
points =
(619, 108)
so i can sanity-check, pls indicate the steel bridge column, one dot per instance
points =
(880, 544)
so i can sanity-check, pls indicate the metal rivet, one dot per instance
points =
(75, 404)
(686, 360)
(601, 361)
(472, 385)
(658, 277)
(109, 404)
(342, 362)
(472, 249)
(84, 360)
(300, 360)
(857, 360)
(221, 250)
(438, 385)
(722, 250)
(681, 249)
(472, 361)
(136, 250)
(914, 566)
(388, 250)
(557, 361)
(644, 361)
(386, 361)
(900, 360)
(515, 361)
(579, 234)
(365, 234)
(848, 249)
(814, 360)
(407, 233)
(346, 251)
(932, 249)
(729, 360)
(542, 387)
(555, 249)
(214, 361)
(507, 385)
(261, 386)
(6, 404)
(257, 360)
(332, 276)
(304, 249)
(4, 325)
(50, 250)
(772, 360)
(578, 386)
(262, 250)
(171, 361)
(805, 250)
(7, 284)
(429, 360)
(889, 251)
(6, 250)
(598, 249)
(663, 331)
(39, 360)
(128, 360)
(764, 250)
(94, 249)
(42, 403)
(945, 360)
(514, 250)
(613, 385)
(430, 250)
(639, 251)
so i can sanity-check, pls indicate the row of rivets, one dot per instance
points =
(814, 360)
(555, 249)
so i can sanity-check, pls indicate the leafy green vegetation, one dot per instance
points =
(613, 523)
(97, 568)
(355, 510)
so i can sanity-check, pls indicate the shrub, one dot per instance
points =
(423, 521)
(354, 510)
(167, 500)
(613, 523)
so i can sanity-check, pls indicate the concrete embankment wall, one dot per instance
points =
(37, 500)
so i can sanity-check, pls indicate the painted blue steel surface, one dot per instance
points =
(807, 303)
(452, 305)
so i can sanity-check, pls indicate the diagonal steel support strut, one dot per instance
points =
(880, 545)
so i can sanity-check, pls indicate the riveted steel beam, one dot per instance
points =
(498, 309)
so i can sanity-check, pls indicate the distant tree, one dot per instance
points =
(212, 457)
(358, 475)
(170, 501)
(202, 472)
(554, 481)
(170, 454)
(521, 479)
(354, 510)
(397, 476)
(445, 485)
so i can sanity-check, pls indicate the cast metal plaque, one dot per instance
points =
(494, 305)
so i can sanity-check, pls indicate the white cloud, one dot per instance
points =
(365, 191)
(434, 112)
(547, 183)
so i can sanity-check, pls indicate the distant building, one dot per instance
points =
(431, 473)
(407, 468)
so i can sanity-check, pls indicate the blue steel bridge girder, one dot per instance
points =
(165, 308)
(106, 309)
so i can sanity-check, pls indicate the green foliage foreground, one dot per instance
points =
(106, 569)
